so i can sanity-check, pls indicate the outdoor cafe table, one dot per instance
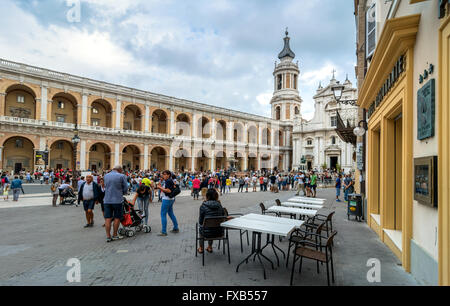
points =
(261, 224)
(302, 205)
(293, 211)
(307, 200)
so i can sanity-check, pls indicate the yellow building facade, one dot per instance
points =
(411, 51)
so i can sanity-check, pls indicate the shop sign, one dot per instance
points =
(360, 156)
(393, 77)
(426, 110)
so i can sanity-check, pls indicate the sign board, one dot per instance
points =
(41, 158)
(360, 156)
(426, 110)
(425, 180)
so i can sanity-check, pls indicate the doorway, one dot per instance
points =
(17, 167)
(333, 162)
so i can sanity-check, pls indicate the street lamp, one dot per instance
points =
(338, 89)
(75, 140)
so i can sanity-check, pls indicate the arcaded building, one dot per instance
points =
(42, 110)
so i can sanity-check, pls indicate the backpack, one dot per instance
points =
(176, 191)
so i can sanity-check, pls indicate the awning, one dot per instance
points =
(345, 132)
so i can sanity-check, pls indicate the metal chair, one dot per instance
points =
(307, 234)
(264, 210)
(241, 232)
(292, 216)
(311, 250)
(211, 222)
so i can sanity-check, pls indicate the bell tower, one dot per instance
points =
(286, 101)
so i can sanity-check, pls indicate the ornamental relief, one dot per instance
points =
(20, 112)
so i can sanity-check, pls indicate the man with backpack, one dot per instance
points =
(169, 191)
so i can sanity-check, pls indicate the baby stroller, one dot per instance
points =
(132, 221)
(68, 196)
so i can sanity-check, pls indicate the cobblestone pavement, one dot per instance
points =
(37, 242)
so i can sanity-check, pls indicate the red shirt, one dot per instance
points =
(196, 184)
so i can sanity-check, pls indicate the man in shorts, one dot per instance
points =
(116, 187)
(89, 193)
(313, 184)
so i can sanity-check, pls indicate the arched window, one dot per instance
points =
(309, 142)
(297, 112)
(333, 140)
(277, 113)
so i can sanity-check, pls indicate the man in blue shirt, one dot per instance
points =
(116, 187)
(16, 186)
(338, 187)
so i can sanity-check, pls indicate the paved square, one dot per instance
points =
(37, 242)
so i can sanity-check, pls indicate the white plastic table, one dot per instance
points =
(293, 211)
(308, 200)
(302, 205)
(262, 224)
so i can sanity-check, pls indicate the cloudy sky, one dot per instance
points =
(218, 52)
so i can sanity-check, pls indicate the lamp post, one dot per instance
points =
(75, 140)
(338, 90)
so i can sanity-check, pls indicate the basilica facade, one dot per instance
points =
(316, 143)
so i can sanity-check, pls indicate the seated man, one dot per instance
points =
(210, 208)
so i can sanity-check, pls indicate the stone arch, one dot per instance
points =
(202, 158)
(158, 158)
(131, 157)
(183, 125)
(160, 121)
(18, 154)
(64, 108)
(221, 130)
(278, 112)
(132, 118)
(101, 113)
(238, 132)
(204, 129)
(252, 134)
(266, 137)
(99, 157)
(182, 157)
(20, 101)
(61, 154)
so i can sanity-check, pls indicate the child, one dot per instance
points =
(6, 192)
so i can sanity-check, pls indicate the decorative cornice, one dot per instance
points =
(399, 35)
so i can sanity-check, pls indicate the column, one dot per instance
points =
(288, 162)
(272, 137)
(171, 159)
(213, 129)
(194, 126)
(118, 114)
(230, 134)
(2, 103)
(1, 157)
(245, 164)
(116, 154)
(83, 155)
(172, 122)
(283, 112)
(213, 161)
(260, 132)
(146, 157)
(245, 136)
(147, 119)
(259, 161)
(44, 102)
(84, 109)
(192, 160)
